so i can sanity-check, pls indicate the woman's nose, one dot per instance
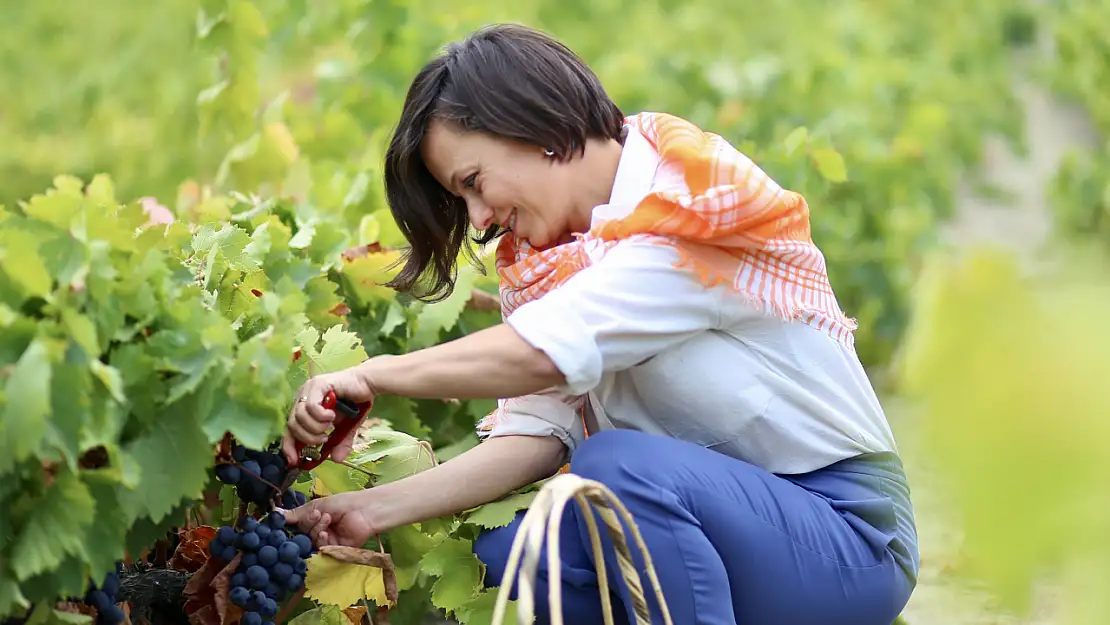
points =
(481, 216)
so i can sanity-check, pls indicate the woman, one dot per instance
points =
(661, 293)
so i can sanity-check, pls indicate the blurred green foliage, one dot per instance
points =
(1079, 70)
(1010, 368)
(298, 97)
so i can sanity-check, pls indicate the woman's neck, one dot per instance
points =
(598, 171)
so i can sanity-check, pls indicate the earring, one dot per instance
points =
(549, 152)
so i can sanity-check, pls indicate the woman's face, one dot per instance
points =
(514, 185)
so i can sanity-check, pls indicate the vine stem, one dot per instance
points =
(356, 468)
(260, 478)
(289, 606)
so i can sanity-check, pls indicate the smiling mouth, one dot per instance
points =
(510, 223)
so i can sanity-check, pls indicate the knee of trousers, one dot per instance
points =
(612, 456)
(492, 547)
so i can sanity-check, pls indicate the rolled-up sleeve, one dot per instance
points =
(629, 305)
(549, 413)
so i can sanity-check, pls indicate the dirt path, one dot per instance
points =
(1024, 225)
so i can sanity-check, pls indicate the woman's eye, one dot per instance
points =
(468, 183)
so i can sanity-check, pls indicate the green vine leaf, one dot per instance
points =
(460, 573)
(392, 455)
(54, 527)
(502, 512)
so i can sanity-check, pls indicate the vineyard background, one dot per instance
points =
(916, 131)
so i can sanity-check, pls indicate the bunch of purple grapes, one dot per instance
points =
(272, 567)
(103, 598)
(257, 475)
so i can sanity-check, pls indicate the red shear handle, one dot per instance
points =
(349, 415)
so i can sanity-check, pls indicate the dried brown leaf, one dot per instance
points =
(192, 549)
(354, 555)
(207, 593)
(355, 614)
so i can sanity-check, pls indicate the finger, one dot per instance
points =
(312, 416)
(343, 449)
(319, 413)
(320, 526)
(289, 449)
(309, 521)
(304, 436)
(312, 424)
(295, 516)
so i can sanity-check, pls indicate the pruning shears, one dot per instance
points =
(348, 415)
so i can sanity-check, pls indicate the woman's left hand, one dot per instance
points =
(342, 519)
(309, 420)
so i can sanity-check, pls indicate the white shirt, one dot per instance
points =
(644, 345)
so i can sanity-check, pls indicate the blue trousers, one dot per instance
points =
(734, 544)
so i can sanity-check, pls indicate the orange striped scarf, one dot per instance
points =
(730, 222)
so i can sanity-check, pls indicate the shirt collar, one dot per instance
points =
(635, 175)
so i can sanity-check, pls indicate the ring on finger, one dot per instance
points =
(303, 399)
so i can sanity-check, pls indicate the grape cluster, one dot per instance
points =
(103, 598)
(250, 465)
(272, 567)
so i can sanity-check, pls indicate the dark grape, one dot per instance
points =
(249, 559)
(293, 499)
(294, 582)
(249, 541)
(272, 474)
(257, 577)
(252, 469)
(240, 596)
(299, 567)
(263, 531)
(268, 608)
(277, 538)
(98, 599)
(258, 599)
(228, 474)
(215, 547)
(250, 524)
(111, 585)
(276, 520)
(102, 597)
(280, 571)
(239, 453)
(273, 590)
(304, 543)
(228, 554)
(226, 535)
(239, 579)
(112, 614)
(251, 618)
(289, 552)
(267, 556)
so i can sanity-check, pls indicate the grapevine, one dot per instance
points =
(151, 343)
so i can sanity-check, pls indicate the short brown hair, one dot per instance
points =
(509, 81)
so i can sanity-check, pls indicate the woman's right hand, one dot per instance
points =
(309, 421)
